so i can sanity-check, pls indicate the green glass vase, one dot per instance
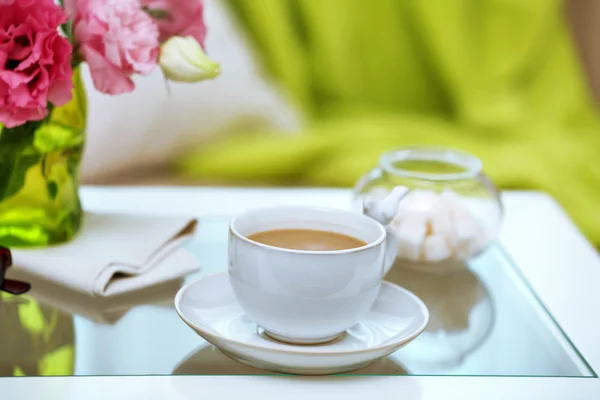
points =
(39, 175)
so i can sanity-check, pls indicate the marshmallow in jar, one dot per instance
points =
(434, 227)
(433, 222)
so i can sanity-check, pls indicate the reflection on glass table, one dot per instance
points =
(461, 315)
(484, 321)
(35, 340)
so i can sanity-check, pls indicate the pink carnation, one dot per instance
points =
(117, 39)
(35, 61)
(178, 18)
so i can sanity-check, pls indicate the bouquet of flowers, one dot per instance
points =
(42, 102)
(41, 42)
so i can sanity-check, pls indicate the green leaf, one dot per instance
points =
(52, 188)
(12, 172)
(17, 155)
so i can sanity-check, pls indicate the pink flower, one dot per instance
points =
(178, 18)
(35, 61)
(117, 39)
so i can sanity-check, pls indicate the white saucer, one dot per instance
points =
(208, 360)
(209, 306)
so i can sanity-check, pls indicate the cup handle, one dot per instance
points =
(391, 249)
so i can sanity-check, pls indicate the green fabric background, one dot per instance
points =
(499, 78)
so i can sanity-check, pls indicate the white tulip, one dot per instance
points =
(183, 60)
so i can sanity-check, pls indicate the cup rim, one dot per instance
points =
(369, 245)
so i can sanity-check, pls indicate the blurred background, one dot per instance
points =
(312, 92)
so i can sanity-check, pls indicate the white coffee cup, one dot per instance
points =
(302, 296)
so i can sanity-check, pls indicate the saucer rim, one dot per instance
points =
(304, 350)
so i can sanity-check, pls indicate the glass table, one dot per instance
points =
(485, 321)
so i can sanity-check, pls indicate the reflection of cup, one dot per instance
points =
(208, 360)
(306, 296)
(460, 312)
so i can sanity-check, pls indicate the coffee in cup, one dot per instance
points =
(307, 239)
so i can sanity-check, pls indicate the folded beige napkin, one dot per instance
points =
(115, 254)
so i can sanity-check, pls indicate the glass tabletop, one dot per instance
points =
(485, 320)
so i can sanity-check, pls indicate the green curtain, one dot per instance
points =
(499, 78)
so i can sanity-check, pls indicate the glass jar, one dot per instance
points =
(452, 210)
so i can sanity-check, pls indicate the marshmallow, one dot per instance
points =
(411, 235)
(436, 248)
(473, 246)
(464, 227)
(440, 218)
(429, 226)
(450, 197)
(417, 202)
